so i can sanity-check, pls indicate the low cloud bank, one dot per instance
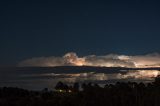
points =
(109, 60)
(131, 75)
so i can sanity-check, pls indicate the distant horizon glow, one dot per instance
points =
(109, 60)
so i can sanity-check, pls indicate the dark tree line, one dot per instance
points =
(119, 94)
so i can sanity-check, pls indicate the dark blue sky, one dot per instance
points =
(46, 28)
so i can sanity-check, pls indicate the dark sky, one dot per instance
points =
(52, 28)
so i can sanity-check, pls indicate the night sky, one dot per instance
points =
(52, 28)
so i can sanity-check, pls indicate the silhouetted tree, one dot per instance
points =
(61, 87)
(76, 87)
(119, 94)
(157, 81)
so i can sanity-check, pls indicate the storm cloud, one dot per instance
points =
(109, 60)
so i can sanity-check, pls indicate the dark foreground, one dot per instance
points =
(120, 94)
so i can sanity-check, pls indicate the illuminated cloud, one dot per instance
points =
(140, 74)
(110, 60)
(150, 60)
(131, 75)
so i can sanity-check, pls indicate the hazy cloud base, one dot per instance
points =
(109, 60)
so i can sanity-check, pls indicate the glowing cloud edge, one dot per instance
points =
(109, 60)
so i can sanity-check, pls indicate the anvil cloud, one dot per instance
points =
(109, 60)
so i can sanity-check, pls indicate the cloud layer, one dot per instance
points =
(130, 75)
(109, 60)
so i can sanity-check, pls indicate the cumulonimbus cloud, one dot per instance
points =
(110, 60)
